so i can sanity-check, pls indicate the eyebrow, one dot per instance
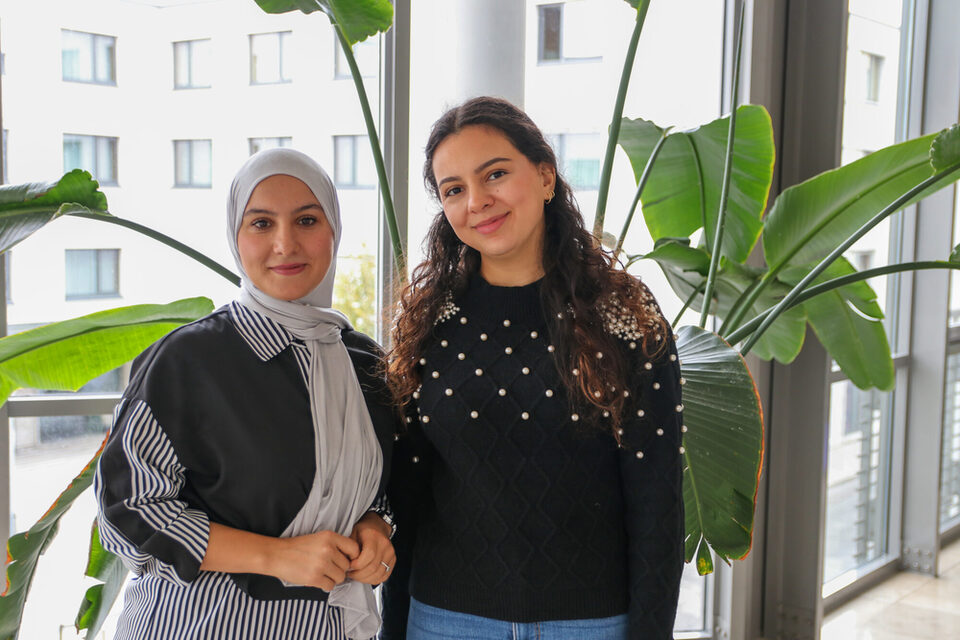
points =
(273, 213)
(477, 170)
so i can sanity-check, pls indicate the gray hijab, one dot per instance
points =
(348, 457)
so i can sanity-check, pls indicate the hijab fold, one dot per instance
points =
(347, 453)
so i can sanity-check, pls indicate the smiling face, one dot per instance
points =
(285, 241)
(493, 197)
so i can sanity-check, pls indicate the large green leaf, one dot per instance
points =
(945, 150)
(809, 220)
(25, 208)
(686, 270)
(682, 193)
(97, 601)
(359, 19)
(724, 447)
(849, 323)
(66, 355)
(24, 550)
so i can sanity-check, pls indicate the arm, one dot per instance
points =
(653, 496)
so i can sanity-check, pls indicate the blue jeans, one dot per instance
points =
(431, 623)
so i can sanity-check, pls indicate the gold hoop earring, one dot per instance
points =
(549, 199)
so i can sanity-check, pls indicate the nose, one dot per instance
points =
(284, 239)
(479, 199)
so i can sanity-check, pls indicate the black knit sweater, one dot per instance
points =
(516, 506)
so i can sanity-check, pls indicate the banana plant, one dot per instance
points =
(715, 180)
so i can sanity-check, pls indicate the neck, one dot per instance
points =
(510, 273)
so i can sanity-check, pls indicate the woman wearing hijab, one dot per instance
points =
(242, 480)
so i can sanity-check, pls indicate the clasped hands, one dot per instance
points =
(325, 559)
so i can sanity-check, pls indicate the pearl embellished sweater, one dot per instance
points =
(515, 505)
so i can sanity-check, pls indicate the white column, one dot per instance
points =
(490, 45)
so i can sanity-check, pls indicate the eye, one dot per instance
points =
(260, 223)
(498, 173)
(308, 221)
(452, 191)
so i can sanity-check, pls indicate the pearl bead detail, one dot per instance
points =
(659, 432)
(483, 336)
(575, 417)
(648, 365)
(479, 372)
(551, 348)
(474, 415)
(409, 419)
(599, 355)
(619, 432)
(641, 413)
(448, 392)
(506, 323)
(444, 343)
(683, 381)
(534, 334)
(633, 345)
(525, 415)
(560, 316)
(396, 437)
(435, 375)
(606, 414)
(423, 361)
(683, 450)
(463, 319)
(639, 455)
(425, 419)
(502, 392)
(656, 385)
(525, 371)
(461, 356)
(549, 393)
(626, 394)
(415, 459)
(575, 372)
(683, 428)
(596, 394)
(673, 357)
(416, 395)
(679, 408)
(508, 350)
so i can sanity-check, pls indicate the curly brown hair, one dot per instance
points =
(581, 282)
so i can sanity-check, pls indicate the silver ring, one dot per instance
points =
(385, 565)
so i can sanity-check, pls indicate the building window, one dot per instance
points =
(566, 33)
(268, 57)
(88, 57)
(352, 162)
(874, 64)
(259, 144)
(96, 154)
(579, 157)
(191, 64)
(93, 273)
(366, 53)
(192, 163)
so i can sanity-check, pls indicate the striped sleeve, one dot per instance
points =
(141, 515)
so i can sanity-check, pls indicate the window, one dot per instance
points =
(191, 64)
(565, 33)
(874, 64)
(259, 144)
(88, 57)
(268, 57)
(579, 157)
(96, 154)
(93, 273)
(192, 163)
(366, 53)
(352, 162)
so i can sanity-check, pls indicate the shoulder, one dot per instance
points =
(361, 344)
(630, 312)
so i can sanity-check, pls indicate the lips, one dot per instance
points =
(288, 269)
(490, 225)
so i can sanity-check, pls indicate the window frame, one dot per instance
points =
(282, 41)
(93, 38)
(99, 292)
(561, 57)
(355, 147)
(191, 143)
(189, 45)
(95, 140)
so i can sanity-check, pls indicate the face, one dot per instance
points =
(492, 195)
(285, 242)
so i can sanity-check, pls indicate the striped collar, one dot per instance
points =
(265, 336)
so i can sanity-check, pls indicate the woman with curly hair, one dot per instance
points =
(537, 484)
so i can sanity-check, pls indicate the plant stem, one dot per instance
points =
(717, 244)
(615, 121)
(389, 213)
(165, 239)
(647, 169)
(744, 302)
(890, 209)
(686, 305)
(836, 283)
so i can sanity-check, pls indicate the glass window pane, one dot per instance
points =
(202, 171)
(81, 272)
(283, 63)
(201, 60)
(264, 58)
(549, 36)
(77, 55)
(108, 270)
(343, 162)
(181, 64)
(858, 470)
(950, 455)
(579, 40)
(181, 162)
(106, 171)
(104, 56)
(366, 169)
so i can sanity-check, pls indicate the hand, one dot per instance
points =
(319, 559)
(377, 557)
